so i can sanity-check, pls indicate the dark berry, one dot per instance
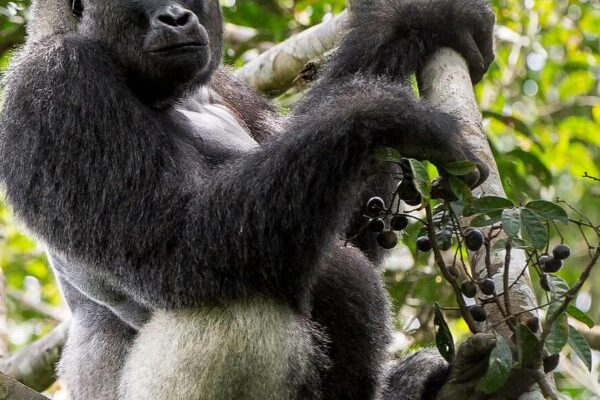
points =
(478, 313)
(545, 283)
(552, 265)
(474, 240)
(445, 245)
(388, 240)
(375, 206)
(453, 271)
(533, 324)
(561, 252)
(424, 244)
(488, 287)
(469, 289)
(551, 362)
(399, 222)
(376, 225)
(408, 193)
(415, 201)
(543, 260)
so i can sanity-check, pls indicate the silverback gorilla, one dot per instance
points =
(194, 232)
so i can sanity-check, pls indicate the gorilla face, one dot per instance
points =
(166, 46)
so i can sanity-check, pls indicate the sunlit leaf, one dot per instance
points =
(548, 210)
(485, 205)
(558, 286)
(581, 347)
(488, 219)
(511, 221)
(559, 335)
(534, 228)
(421, 178)
(580, 316)
(443, 337)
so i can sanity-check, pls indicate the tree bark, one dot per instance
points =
(446, 84)
(274, 70)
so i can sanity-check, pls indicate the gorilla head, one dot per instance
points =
(165, 46)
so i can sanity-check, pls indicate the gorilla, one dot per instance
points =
(194, 232)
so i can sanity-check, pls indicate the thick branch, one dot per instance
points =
(446, 84)
(4, 350)
(34, 365)
(13, 390)
(274, 70)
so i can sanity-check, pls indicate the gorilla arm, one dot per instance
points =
(98, 176)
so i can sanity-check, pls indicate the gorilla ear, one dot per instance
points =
(77, 8)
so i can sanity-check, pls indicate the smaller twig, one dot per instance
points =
(439, 259)
(588, 176)
(507, 305)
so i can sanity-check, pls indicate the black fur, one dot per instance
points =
(144, 210)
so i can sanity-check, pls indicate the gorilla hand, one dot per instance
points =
(469, 366)
(397, 35)
(441, 140)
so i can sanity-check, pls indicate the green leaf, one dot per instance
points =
(460, 168)
(511, 221)
(519, 243)
(548, 210)
(558, 286)
(581, 347)
(421, 178)
(529, 347)
(499, 367)
(580, 316)
(534, 228)
(387, 154)
(559, 335)
(443, 337)
(488, 219)
(461, 190)
(485, 205)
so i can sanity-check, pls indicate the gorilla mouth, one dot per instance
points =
(186, 46)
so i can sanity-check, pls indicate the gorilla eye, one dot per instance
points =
(77, 8)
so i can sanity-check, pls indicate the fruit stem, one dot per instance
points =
(439, 260)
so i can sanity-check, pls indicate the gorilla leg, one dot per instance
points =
(95, 352)
(351, 304)
(253, 349)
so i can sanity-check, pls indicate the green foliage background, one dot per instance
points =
(541, 100)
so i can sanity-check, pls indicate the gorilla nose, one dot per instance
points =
(173, 16)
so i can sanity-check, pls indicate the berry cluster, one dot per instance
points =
(377, 213)
(552, 264)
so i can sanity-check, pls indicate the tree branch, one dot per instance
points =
(10, 389)
(446, 84)
(274, 70)
(34, 365)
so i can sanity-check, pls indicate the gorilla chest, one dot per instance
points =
(216, 132)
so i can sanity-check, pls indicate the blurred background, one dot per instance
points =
(541, 103)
